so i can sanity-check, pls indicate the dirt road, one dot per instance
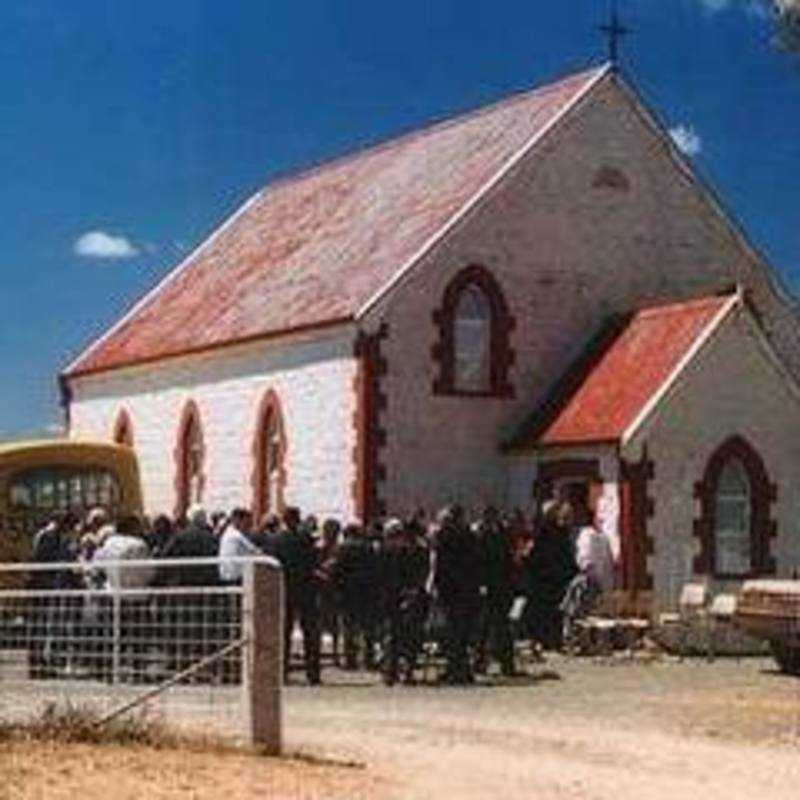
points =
(583, 730)
(577, 729)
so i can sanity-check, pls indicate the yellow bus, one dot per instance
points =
(38, 478)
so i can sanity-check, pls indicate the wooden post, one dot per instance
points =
(262, 661)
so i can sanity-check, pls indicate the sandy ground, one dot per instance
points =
(576, 729)
(59, 772)
(581, 730)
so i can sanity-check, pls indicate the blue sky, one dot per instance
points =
(129, 130)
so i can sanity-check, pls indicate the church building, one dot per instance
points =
(537, 294)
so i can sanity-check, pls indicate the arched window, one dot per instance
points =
(473, 350)
(123, 429)
(269, 452)
(472, 341)
(732, 554)
(735, 528)
(189, 458)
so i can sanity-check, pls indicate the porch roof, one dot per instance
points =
(623, 374)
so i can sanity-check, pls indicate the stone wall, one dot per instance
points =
(732, 388)
(313, 379)
(569, 246)
(597, 219)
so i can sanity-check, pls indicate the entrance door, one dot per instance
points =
(575, 480)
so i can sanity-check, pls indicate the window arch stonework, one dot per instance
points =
(268, 480)
(501, 324)
(189, 460)
(732, 456)
(123, 429)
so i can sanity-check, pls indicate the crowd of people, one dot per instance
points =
(381, 592)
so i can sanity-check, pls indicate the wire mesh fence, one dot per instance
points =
(163, 637)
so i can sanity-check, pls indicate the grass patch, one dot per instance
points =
(72, 724)
(314, 760)
(69, 723)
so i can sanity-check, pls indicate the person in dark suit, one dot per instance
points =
(196, 540)
(329, 601)
(296, 551)
(266, 537)
(495, 636)
(182, 616)
(550, 569)
(51, 616)
(457, 582)
(355, 575)
(404, 567)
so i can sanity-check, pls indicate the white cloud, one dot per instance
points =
(758, 9)
(687, 139)
(99, 244)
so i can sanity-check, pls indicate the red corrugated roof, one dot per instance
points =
(316, 247)
(629, 372)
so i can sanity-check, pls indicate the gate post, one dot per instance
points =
(262, 662)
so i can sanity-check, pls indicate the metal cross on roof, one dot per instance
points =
(615, 31)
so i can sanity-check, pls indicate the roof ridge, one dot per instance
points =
(677, 306)
(283, 178)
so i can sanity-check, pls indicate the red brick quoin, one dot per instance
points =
(636, 507)
(371, 402)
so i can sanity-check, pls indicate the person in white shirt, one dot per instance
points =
(234, 543)
(594, 557)
(595, 561)
(123, 543)
(120, 543)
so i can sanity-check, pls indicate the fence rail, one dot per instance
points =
(154, 634)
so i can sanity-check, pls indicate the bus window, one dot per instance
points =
(38, 478)
(62, 488)
(20, 497)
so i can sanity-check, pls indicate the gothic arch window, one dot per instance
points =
(735, 526)
(269, 454)
(189, 460)
(472, 335)
(473, 351)
(732, 507)
(123, 429)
